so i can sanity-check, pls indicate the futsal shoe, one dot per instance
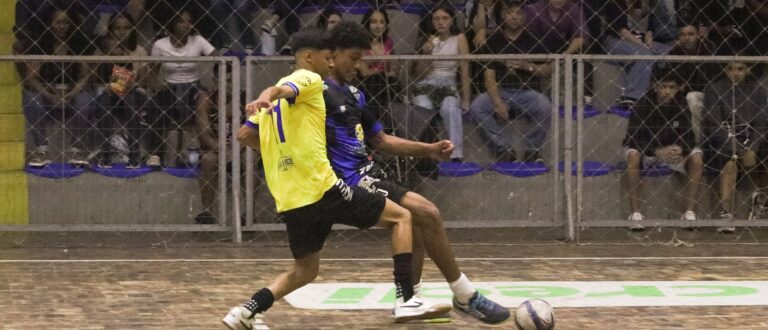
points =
(239, 318)
(417, 309)
(483, 309)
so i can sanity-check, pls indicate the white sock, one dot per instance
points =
(417, 289)
(462, 289)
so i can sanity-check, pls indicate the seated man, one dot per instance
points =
(510, 87)
(659, 133)
(694, 75)
(734, 125)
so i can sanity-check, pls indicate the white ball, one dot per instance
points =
(535, 314)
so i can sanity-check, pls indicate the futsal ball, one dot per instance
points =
(535, 314)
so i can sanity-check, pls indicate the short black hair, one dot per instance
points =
(347, 35)
(322, 20)
(504, 5)
(666, 72)
(310, 38)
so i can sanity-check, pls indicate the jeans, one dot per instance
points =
(638, 79)
(450, 111)
(77, 118)
(534, 106)
(115, 113)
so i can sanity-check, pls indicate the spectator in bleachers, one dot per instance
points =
(30, 22)
(511, 87)
(436, 81)
(328, 19)
(54, 90)
(662, 24)
(119, 98)
(696, 76)
(660, 133)
(379, 78)
(481, 21)
(739, 27)
(734, 124)
(183, 95)
(625, 37)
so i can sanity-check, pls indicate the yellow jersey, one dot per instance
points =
(293, 143)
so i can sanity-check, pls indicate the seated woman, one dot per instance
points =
(119, 98)
(58, 91)
(379, 78)
(183, 95)
(436, 81)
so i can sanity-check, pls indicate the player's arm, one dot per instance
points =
(248, 134)
(394, 145)
(265, 99)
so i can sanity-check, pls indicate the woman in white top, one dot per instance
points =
(183, 94)
(437, 81)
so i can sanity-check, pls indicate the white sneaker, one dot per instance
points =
(688, 216)
(238, 319)
(635, 221)
(153, 161)
(726, 229)
(417, 309)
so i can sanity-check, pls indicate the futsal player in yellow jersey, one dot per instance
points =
(287, 124)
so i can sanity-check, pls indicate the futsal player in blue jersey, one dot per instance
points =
(349, 125)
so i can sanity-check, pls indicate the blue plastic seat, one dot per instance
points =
(589, 111)
(183, 172)
(453, 169)
(55, 171)
(590, 168)
(119, 170)
(620, 111)
(520, 169)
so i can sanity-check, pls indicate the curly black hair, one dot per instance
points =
(347, 35)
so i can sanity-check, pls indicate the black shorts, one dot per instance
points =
(309, 226)
(385, 187)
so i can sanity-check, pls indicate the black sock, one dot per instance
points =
(403, 282)
(260, 302)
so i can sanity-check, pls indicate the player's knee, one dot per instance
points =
(306, 274)
(427, 214)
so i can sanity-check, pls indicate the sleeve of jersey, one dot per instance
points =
(371, 126)
(253, 121)
(305, 84)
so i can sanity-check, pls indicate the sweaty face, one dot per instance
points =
(442, 21)
(345, 63)
(322, 61)
(666, 90)
(737, 72)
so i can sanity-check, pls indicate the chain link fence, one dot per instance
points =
(105, 129)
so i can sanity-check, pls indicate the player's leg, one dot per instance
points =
(429, 224)
(303, 272)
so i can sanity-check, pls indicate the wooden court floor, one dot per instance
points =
(192, 288)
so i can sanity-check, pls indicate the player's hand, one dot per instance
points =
(260, 103)
(441, 150)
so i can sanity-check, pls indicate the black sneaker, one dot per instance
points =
(533, 156)
(78, 157)
(134, 160)
(457, 160)
(205, 218)
(483, 309)
(39, 158)
(506, 156)
(104, 159)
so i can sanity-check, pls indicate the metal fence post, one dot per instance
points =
(238, 232)
(248, 151)
(557, 209)
(568, 131)
(222, 127)
(579, 144)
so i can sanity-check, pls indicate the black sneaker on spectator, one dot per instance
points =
(457, 160)
(533, 156)
(726, 229)
(105, 163)
(154, 161)
(39, 157)
(625, 101)
(506, 156)
(205, 218)
(134, 161)
(78, 157)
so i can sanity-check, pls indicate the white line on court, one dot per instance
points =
(381, 259)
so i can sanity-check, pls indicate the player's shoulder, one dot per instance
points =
(304, 77)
